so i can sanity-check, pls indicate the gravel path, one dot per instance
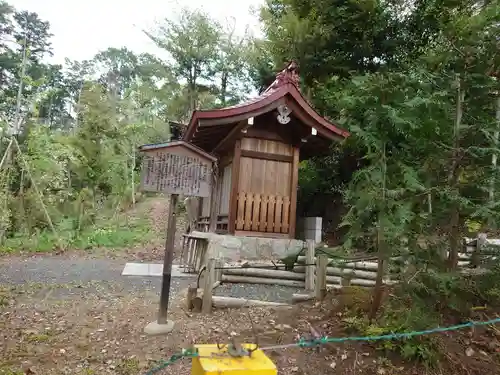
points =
(80, 276)
(274, 293)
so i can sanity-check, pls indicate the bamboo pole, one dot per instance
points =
(4, 157)
(37, 191)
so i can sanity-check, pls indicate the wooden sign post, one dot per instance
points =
(174, 168)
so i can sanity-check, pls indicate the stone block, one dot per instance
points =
(237, 248)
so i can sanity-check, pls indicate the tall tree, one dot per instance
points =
(192, 44)
(119, 67)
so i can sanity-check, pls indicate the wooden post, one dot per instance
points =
(218, 272)
(293, 192)
(345, 280)
(310, 268)
(321, 265)
(190, 296)
(476, 254)
(206, 306)
(235, 180)
(167, 262)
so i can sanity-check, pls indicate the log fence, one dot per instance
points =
(316, 274)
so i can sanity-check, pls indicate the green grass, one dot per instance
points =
(9, 371)
(101, 235)
(128, 366)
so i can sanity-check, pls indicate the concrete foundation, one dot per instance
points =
(236, 248)
(154, 328)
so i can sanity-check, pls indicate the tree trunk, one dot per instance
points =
(494, 157)
(378, 291)
(223, 88)
(454, 229)
(133, 176)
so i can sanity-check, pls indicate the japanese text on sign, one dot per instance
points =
(176, 174)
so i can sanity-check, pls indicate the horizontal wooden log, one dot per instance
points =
(270, 278)
(367, 266)
(335, 271)
(371, 266)
(362, 282)
(260, 272)
(282, 276)
(296, 297)
(232, 302)
(489, 241)
(262, 280)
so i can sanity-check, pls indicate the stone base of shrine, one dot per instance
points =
(236, 248)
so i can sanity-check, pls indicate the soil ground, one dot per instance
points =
(74, 313)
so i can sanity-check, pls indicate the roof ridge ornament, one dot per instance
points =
(288, 75)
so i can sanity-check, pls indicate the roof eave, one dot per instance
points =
(225, 113)
(195, 149)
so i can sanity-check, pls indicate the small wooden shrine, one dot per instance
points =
(259, 144)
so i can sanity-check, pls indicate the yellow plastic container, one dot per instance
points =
(257, 364)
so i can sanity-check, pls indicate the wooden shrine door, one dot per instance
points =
(266, 197)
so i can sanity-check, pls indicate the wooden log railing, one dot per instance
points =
(221, 227)
(194, 252)
(263, 213)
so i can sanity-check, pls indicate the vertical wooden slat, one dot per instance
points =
(226, 191)
(270, 213)
(256, 212)
(285, 222)
(240, 217)
(263, 213)
(277, 214)
(248, 211)
(293, 192)
(235, 176)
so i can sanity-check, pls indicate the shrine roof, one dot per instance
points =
(176, 144)
(284, 90)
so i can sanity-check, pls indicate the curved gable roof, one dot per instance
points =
(284, 88)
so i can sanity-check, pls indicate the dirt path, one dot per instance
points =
(74, 314)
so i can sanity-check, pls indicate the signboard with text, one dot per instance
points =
(176, 168)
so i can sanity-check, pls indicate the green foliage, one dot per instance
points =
(423, 349)
(128, 367)
(9, 371)
(81, 124)
(101, 235)
(423, 304)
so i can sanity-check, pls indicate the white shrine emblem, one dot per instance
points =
(284, 114)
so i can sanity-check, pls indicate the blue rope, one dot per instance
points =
(302, 343)
(395, 336)
(185, 353)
